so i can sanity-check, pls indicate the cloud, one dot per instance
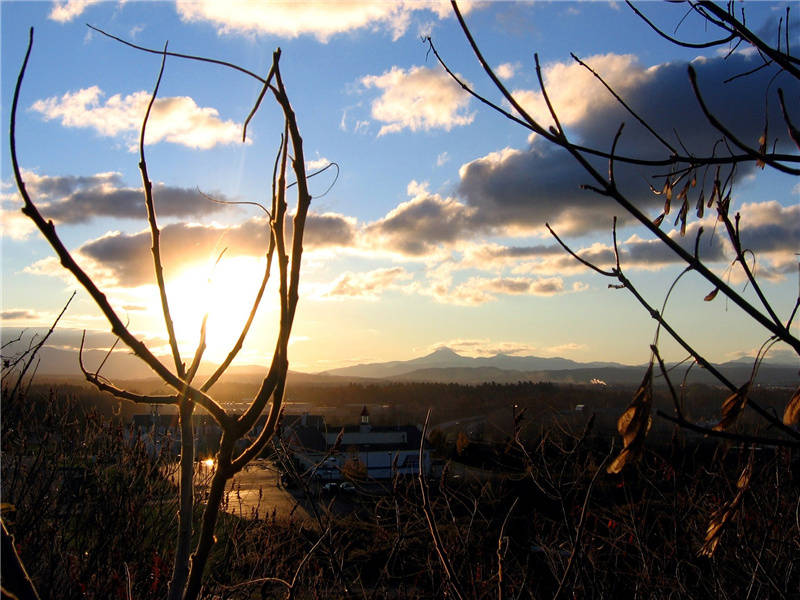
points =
(178, 120)
(417, 99)
(485, 347)
(567, 85)
(507, 70)
(317, 163)
(442, 159)
(768, 229)
(369, 285)
(480, 290)
(521, 189)
(118, 258)
(73, 199)
(322, 20)
(20, 314)
(419, 226)
(67, 10)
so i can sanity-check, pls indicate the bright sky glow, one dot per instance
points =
(434, 232)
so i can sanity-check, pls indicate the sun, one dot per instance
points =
(226, 292)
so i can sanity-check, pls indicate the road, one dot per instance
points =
(252, 493)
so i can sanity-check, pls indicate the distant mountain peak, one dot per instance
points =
(443, 351)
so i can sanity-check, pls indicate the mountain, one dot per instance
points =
(446, 358)
(446, 366)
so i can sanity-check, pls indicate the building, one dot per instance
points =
(362, 451)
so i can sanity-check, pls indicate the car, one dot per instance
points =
(330, 487)
(347, 487)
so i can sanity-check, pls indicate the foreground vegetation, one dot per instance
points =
(93, 514)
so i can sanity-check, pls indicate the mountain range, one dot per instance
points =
(441, 366)
(446, 366)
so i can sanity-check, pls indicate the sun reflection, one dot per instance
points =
(209, 463)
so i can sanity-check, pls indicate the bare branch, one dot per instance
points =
(752, 154)
(155, 233)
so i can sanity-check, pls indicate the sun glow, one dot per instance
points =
(226, 292)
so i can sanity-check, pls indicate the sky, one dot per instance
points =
(433, 234)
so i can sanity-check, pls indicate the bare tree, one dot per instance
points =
(189, 566)
(679, 186)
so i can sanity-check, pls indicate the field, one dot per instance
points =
(534, 517)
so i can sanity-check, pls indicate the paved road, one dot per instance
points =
(253, 492)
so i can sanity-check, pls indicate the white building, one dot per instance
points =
(376, 452)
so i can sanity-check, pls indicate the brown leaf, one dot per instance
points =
(711, 295)
(634, 423)
(762, 149)
(715, 193)
(791, 416)
(701, 203)
(732, 407)
(724, 513)
(657, 221)
(682, 216)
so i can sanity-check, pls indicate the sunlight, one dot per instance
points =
(209, 463)
(226, 293)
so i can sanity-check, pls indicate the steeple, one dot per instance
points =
(365, 426)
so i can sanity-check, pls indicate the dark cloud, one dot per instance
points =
(128, 203)
(771, 231)
(328, 230)
(79, 199)
(507, 285)
(128, 256)
(417, 226)
(526, 188)
(18, 314)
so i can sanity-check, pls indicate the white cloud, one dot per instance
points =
(178, 119)
(418, 99)
(317, 163)
(323, 20)
(506, 70)
(369, 285)
(442, 159)
(574, 91)
(485, 347)
(480, 290)
(67, 10)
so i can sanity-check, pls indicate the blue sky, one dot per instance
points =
(433, 233)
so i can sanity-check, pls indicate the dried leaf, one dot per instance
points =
(791, 415)
(724, 514)
(634, 423)
(711, 295)
(714, 191)
(701, 203)
(747, 473)
(682, 216)
(657, 221)
(732, 407)
(762, 149)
